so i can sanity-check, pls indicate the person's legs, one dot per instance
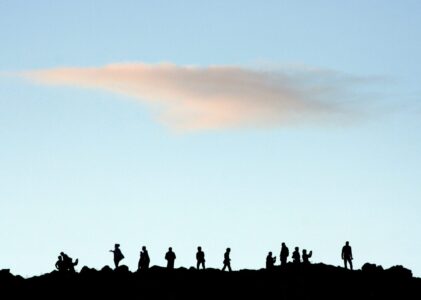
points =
(350, 263)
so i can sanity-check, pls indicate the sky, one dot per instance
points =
(240, 124)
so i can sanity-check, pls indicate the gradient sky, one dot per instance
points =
(81, 169)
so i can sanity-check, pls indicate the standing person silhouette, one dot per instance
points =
(347, 255)
(270, 261)
(200, 258)
(306, 257)
(170, 257)
(144, 259)
(227, 260)
(296, 258)
(118, 255)
(284, 254)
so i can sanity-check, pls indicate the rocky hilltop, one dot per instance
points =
(317, 281)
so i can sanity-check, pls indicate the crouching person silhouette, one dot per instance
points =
(59, 264)
(227, 260)
(270, 261)
(306, 256)
(296, 257)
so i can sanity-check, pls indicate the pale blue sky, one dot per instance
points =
(83, 169)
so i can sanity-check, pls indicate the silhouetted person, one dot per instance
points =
(347, 255)
(200, 258)
(67, 263)
(170, 257)
(296, 258)
(59, 264)
(144, 259)
(306, 256)
(284, 254)
(118, 255)
(227, 260)
(270, 261)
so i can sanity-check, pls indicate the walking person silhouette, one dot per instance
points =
(227, 260)
(284, 254)
(200, 258)
(347, 255)
(170, 257)
(118, 255)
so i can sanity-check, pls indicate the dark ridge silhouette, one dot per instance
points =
(293, 281)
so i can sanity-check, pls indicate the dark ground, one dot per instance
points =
(316, 281)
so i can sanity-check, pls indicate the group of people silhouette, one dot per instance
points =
(66, 264)
(297, 258)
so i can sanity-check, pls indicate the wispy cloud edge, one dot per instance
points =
(189, 98)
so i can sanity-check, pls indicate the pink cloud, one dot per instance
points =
(196, 98)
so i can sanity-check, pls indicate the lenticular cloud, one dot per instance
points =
(195, 98)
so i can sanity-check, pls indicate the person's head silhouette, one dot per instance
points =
(170, 249)
(296, 248)
(270, 253)
(116, 246)
(199, 249)
(283, 244)
(304, 251)
(228, 249)
(347, 243)
(144, 248)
